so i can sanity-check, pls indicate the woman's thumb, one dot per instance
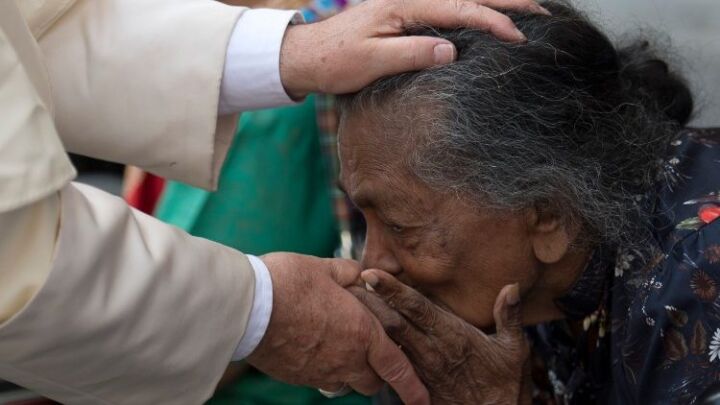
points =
(508, 315)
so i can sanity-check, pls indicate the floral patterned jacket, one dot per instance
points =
(646, 323)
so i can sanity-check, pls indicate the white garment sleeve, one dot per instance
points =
(138, 82)
(261, 310)
(251, 76)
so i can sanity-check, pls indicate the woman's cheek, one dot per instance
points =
(425, 270)
(418, 256)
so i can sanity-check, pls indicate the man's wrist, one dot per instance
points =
(296, 69)
(261, 310)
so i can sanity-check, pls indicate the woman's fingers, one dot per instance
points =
(386, 358)
(414, 306)
(393, 366)
(395, 325)
(508, 315)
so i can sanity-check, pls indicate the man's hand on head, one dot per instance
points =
(351, 50)
(321, 335)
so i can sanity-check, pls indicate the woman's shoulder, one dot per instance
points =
(666, 305)
(688, 191)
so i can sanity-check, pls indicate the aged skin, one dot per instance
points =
(459, 363)
(475, 265)
(454, 251)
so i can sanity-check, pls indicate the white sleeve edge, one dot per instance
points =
(251, 75)
(261, 310)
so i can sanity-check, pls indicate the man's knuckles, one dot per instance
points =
(395, 371)
(344, 272)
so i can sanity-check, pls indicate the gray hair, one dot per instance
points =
(566, 122)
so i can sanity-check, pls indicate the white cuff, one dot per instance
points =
(261, 310)
(251, 77)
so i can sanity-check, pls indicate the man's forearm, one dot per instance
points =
(149, 312)
(27, 243)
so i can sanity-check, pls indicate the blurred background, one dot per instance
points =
(691, 28)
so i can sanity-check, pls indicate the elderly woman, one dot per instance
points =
(549, 185)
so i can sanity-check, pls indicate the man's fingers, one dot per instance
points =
(391, 364)
(332, 387)
(507, 314)
(529, 6)
(413, 305)
(369, 384)
(461, 13)
(412, 53)
(344, 272)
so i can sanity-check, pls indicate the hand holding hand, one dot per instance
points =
(459, 363)
(351, 50)
(322, 336)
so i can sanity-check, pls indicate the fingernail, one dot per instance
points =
(513, 296)
(520, 35)
(542, 10)
(444, 54)
(370, 279)
(369, 287)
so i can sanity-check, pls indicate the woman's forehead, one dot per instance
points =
(379, 127)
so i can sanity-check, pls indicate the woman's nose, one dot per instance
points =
(377, 255)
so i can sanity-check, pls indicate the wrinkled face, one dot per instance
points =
(452, 250)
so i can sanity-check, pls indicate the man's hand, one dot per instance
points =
(351, 50)
(322, 336)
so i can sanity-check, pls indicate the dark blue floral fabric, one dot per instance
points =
(644, 322)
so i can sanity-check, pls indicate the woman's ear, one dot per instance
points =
(550, 234)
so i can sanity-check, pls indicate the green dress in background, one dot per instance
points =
(274, 195)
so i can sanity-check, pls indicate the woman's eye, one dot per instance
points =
(396, 228)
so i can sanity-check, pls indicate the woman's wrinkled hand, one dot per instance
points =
(458, 363)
